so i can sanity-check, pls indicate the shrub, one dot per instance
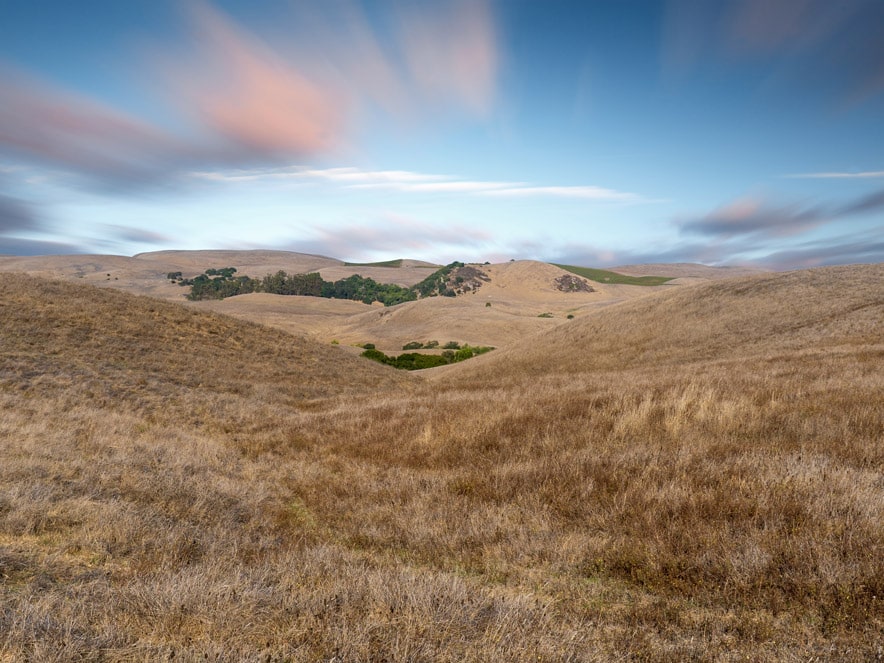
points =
(413, 345)
(452, 345)
(487, 304)
(545, 315)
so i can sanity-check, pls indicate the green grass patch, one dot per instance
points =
(383, 263)
(604, 276)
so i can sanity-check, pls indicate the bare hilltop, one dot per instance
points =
(689, 470)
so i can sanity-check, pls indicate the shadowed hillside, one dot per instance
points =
(694, 475)
(111, 349)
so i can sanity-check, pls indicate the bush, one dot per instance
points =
(452, 345)
(413, 345)
(545, 315)
(368, 346)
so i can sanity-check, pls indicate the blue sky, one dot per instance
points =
(595, 133)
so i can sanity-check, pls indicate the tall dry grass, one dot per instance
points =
(699, 504)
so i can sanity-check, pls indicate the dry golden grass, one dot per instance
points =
(694, 476)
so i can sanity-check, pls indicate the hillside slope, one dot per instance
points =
(693, 475)
(111, 348)
(804, 311)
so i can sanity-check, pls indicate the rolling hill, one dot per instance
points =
(688, 474)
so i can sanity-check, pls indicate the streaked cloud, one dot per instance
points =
(137, 235)
(868, 203)
(33, 247)
(16, 216)
(412, 182)
(240, 88)
(391, 235)
(451, 50)
(43, 123)
(832, 46)
(870, 174)
(235, 99)
(752, 216)
(584, 192)
(841, 249)
(456, 186)
(850, 249)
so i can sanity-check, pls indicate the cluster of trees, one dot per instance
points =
(412, 361)
(437, 282)
(221, 283)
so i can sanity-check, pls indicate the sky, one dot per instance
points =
(596, 132)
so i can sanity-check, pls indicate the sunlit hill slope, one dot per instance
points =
(693, 474)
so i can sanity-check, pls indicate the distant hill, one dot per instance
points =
(812, 310)
(687, 270)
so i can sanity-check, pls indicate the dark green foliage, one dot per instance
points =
(309, 285)
(413, 345)
(545, 315)
(367, 290)
(435, 283)
(487, 304)
(220, 283)
(414, 361)
(451, 345)
(173, 276)
(368, 346)
(570, 316)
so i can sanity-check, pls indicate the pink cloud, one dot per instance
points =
(51, 125)
(241, 89)
(453, 54)
(234, 99)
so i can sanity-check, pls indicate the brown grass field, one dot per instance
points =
(692, 474)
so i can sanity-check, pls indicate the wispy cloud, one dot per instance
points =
(455, 186)
(137, 235)
(391, 235)
(869, 174)
(413, 182)
(755, 217)
(841, 249)
(70, 131)
(851, 249)
(240, 88)
(763, 220)
(233, 99)
(33, 247)
(16, 216)
(833, 46)
(453, 53)
(585, 192)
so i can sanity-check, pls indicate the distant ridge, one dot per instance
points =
(807, 310)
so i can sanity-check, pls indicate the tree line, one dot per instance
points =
(221, 283)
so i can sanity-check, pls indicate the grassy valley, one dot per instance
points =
(688, 473)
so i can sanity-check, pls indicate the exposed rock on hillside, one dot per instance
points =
(467, 279)
(571, 283)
